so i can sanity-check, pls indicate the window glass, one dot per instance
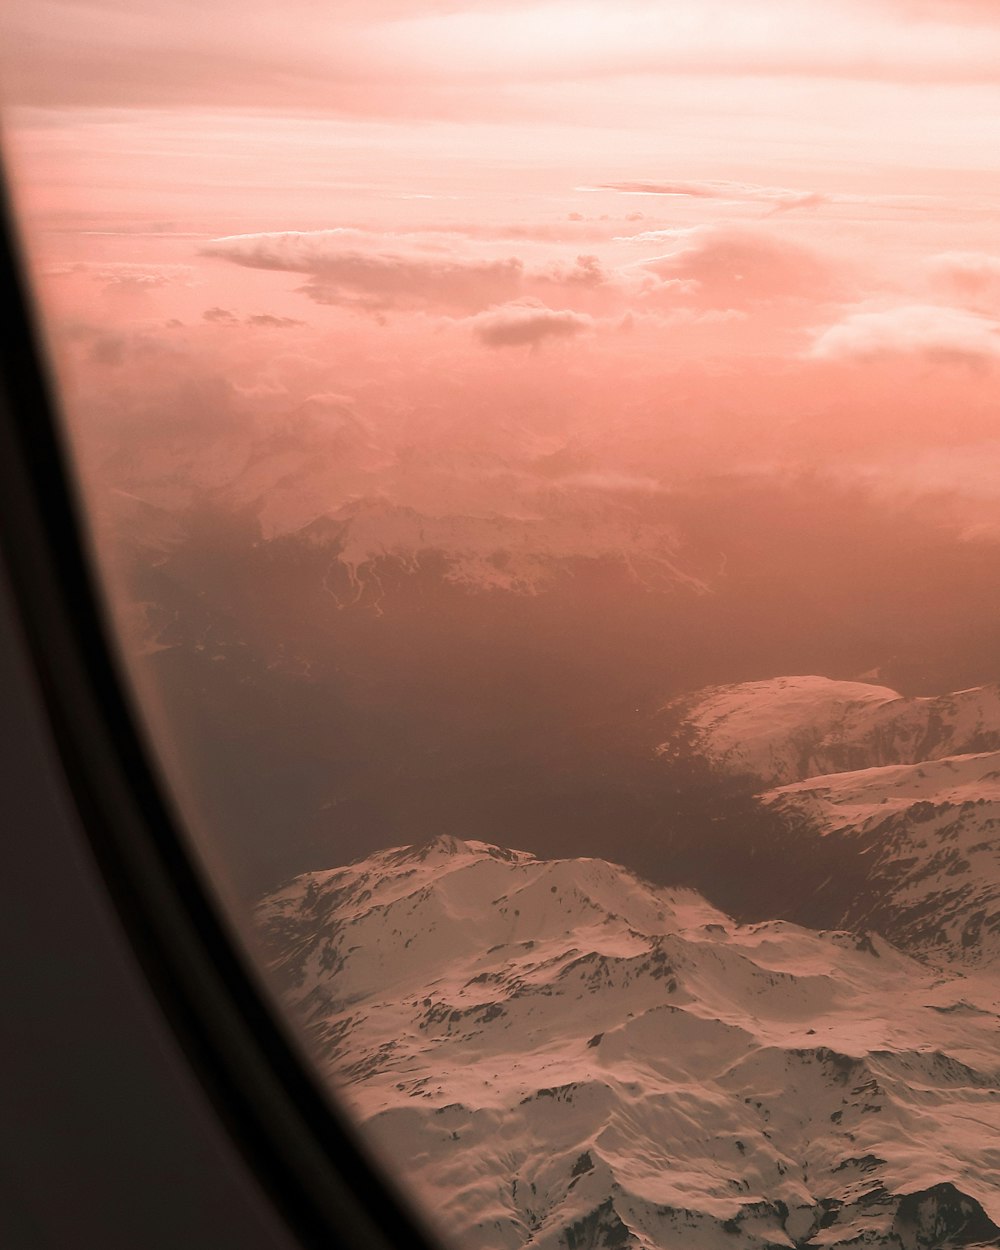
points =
(543, 460)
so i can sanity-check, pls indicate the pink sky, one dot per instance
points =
(674, 238)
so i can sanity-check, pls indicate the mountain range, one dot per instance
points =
(556, 1054)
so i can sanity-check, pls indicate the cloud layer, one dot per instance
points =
(390, 57)
(531, 246)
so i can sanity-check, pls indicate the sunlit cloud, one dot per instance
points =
(972, 277)
(733, 267)
(936, 333)
(518, 325)
(376, 280)
(378, 273)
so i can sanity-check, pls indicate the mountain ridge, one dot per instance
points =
(555, 1053)
(900, 796)
(788, 729)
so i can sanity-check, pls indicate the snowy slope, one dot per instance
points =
(930, 835)
(556, 1054)
(790, 728)
(523, 552)
(905, 794)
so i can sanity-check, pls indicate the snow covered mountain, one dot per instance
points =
(527, 552)
(930, 838)
(791, 728)
(904, 794)
(556, 1054)
(323, 475)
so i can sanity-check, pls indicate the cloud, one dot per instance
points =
(134, 281)
(225, 317)
(574, 227)
(110, 348)
(263, 321)
(376, 274)
(737, 267)
(515, 325)
(130, 287)
(928, 330)
(973, 277)
(220, 316)
(426, 271)
(274, 323)
(381, 282)
(289, 251)
(779, 198)
(585, 271)
(128, 274)
(403, 59)
(438, 273)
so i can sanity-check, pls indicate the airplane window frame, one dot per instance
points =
(301, 1150)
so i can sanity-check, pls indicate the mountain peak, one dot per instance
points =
(787, 729)
(448, 846)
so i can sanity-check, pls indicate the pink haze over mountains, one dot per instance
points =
(459, 390)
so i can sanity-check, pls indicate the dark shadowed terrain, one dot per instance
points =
(313, 725)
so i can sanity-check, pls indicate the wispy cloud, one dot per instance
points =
(779, 198)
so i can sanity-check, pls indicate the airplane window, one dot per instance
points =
(542, 460)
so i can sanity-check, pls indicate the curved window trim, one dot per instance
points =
(302, 1152)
